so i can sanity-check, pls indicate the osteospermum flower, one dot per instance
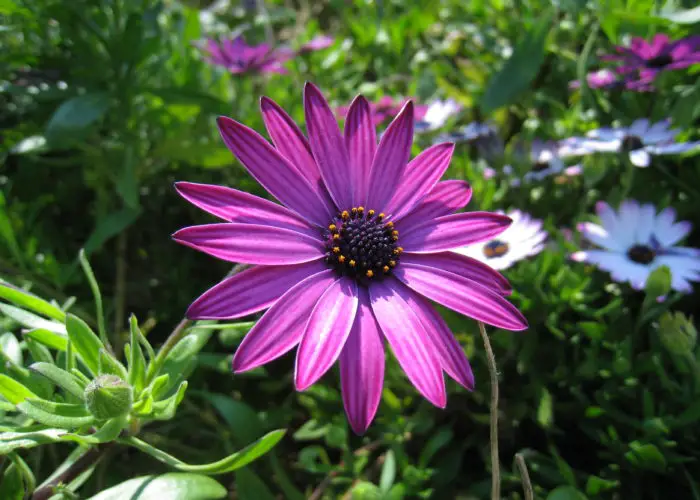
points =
(386, 108)
(318, 42)
(239, 57)
(523, 238)
(353, 255)
(636, 240)
(640, 141)
(600, 79)
(641, 62)
(437, 114)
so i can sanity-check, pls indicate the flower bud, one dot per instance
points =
(108, 396)
(677, 333)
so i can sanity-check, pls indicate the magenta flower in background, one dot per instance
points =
(600, 79)
(641, 62)
(351, 258)
(386, 108)
(239, 57)
(319, 42)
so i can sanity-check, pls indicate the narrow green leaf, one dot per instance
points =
(30, 320)
(74, 117)
(173, 486)
(137, 362)
(97, 295)
(13, 391)
(84, 341)
(228, 464)
(63, 415)
(38, 351)
(28, 479)
(165, 409)
(109, 226)
(11, 486)
(48, 338)
(110, 430)
(159, 385)
(66, 381)
(386, 480)
(689, 16)
(8, 233)
(108, 365)
(519, 70)
(249, 485)
(10, 346)
(27, 300)
(10, 441)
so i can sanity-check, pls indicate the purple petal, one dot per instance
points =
(282, 326)
(250, 291)
(328, 146)
(292, 144)
(452, 357)
(391, 158)
(236, 206)
(326, 332)
(421, 175)
(452, 231)
(462, 295)
(446, 198)
(408, 340)
(251, 243)
(464, 266)
(361, 142)
(273, 171)
(362, 367)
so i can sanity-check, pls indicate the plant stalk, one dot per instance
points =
(524, 477)
(493, 372)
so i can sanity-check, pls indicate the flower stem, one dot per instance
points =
(524, 476)
(493, 372)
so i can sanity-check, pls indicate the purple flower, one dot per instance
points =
(641, 62)
(238, 57)
(636, 240)
(319, 42)
(600, 79)
(385, 109)
(352, 257)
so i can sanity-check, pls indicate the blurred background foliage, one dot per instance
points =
(105, 103)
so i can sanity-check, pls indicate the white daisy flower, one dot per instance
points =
(636, 240)
(640, 141)
(437, 114)
(523, 238)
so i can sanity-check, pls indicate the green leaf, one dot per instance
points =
(39, 352)
(596, 485)
(10, 441)
(566, 493)
(173, 486)
(84, 341)
(10, 346)
(63, 415)
(27, 300)
(110, 430)
(386, 480)
(13, 391)
(228, 464)
(165, 409)
(646, 456)
(30, 320)
(545, 413)
(689, 16)
(249, 485)
(108, 365)
(48, 338)
(96, 294)
(242, 420)
(8, 233)
(365, 491)
(74, 117)
(658, 283)
(110, 226)
(12, 486)
(137, 362)
(519, 70)
(66, 381)
(439, 440)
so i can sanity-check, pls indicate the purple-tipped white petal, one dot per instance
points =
(446, 198)
(361, 142)
(391, 158)
(408, 340)
(462, 295)
(282, 326)
(328, 146)
(462, 265)
(273, 171)
(291, 142)
(326, 332)
(452, 231)
(250, 291)
(362, 367)
(236, 206)
(251, 243)
(421, 175)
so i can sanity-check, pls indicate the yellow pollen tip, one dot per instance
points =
(360, 209)
(389, 224)
(354, 210)
(392, 263)
(395, 233)
(370, 213)
(369, 273)
(341, 259)
(400, 249)
(352, 263)
(381, 216)
(395, 238)
(345, 214)
(332, 227)
(336, 249)
(336, 236)
(386, 269)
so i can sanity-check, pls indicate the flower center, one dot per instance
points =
(659, 61)
(540, 166)
(641, 254)
(360, 244)
(632, 143)
(495, 248)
